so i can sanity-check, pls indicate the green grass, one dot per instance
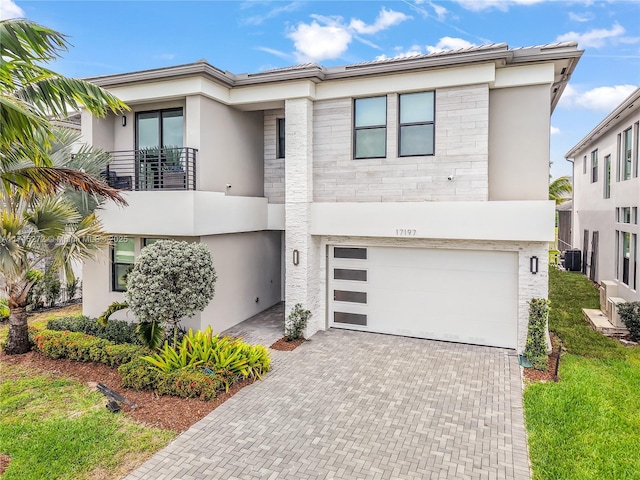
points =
(58, 429)
(587, 426)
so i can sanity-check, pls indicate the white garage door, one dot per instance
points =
(463, 296)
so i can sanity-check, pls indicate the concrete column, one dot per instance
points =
(301, 284)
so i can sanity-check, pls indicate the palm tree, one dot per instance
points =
(31, 96)
(37, 228)
(560, 189)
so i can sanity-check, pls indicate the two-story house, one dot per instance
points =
(606, 197)
(405, 196)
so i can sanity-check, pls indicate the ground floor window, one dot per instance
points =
(150, 241)
(122, 259)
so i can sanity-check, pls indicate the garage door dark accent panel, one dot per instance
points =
(348, 252)
(350, 318)
(348, 274)
(347, 296)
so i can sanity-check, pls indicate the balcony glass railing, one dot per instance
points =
(169, 168)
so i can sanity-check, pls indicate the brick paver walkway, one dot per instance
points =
(351, 405)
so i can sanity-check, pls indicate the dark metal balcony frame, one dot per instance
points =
(168, 168)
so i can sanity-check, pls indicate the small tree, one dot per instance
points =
(630, 316)
(170, 280)
(296, 323)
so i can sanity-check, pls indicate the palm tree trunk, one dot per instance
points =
(18, 341)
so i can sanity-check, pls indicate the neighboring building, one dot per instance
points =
(405, 196)
(606, 196)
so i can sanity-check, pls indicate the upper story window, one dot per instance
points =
(280, 127)
(416, 126)
(160, 129)
(594, 166)
(122, 259)
(607, 176)
(370, 127)
(626, 154)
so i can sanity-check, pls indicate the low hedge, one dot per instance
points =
(190, 383)
(85, 348)
(116, 331)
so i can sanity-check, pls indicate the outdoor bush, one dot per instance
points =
(189, 384)
(85, 348)
(296, 323)
(223, 356)
(116, 331)
(51, 287)
(630, 316)
(536, 346)
(139, 375)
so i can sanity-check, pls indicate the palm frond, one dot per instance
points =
(560, 189)
(26, 40)
(50, 180)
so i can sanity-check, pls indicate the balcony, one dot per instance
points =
(168, 168)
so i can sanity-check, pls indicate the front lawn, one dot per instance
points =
(55, 428)
(587, 426)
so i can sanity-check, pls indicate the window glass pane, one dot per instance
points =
(350, 318)
(371, 143)
(123, 250)
(172, 128)
(626, 215)
(121, 272)
(281, 141)
(347, 274)
(345, 252)
(416, 140)
(347, 296)
(371, 111)
(416, 107)
(148, 130)
(150, 241)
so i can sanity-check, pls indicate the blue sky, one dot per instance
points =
(249, 36)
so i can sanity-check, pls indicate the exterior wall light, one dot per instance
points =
(296, 257)
(533, 265)
(124, 120)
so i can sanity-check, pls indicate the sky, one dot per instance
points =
(246, 36)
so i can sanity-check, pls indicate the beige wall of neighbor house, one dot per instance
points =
(249, 280)
(606, 198)
(519, 125)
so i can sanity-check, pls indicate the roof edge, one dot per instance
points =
(632, 100)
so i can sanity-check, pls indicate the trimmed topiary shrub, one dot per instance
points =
(116, 331)
(536, 346)
(630, 315)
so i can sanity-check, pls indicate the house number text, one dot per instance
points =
(405, 232)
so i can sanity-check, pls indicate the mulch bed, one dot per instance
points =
(286, 346)
(532, 375)
(5, 460)
(171, 413)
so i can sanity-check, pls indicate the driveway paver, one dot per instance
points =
(352, 405)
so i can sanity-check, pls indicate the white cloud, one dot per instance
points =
(315, 42)
(275, 52)
(329, 37)
(554, 130)
(449, 43)
(8, 9)
(274, 12)
(479, 5)
(386, 18)
(601, 99)
(441, 12)
(598, 37)
(581, 17)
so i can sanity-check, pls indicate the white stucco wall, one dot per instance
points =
(593, 212)
(247, 266)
